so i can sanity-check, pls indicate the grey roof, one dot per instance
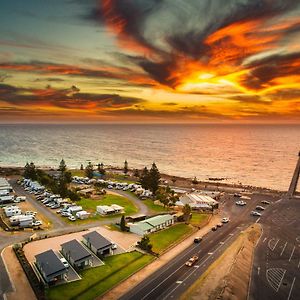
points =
(97, 240)
(76, 250)
(49, 263)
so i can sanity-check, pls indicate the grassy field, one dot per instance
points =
(80, 173)
(95, 281)
(198, 219)
(90, 205)
(154, 207)
(163, 239)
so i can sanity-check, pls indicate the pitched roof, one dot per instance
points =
(49, 262)
(144, 226)
(75, 250)
(158, 220)
(97, 240)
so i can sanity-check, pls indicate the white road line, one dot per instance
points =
(264, 239)
(166, 297)
(299, 263)
(258, 270)
(283, 248)
(292, 253)
(168, 276)
(291, 288)
(276, 244)
(257, 220)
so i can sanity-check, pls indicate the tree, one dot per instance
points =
(195, 180)
(101, 169)
(173, 180)
(30, 171)
(89, 172)
(125, 167)
(136, 173)
(145, 244)
(186, 212)
(123, 223)
(154, 178)
(81, 167)
(62, 166)
(145, 179)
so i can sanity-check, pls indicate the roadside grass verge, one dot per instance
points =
(164, 239)
(198, 219)
(96, 281)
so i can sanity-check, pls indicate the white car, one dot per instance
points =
(65, 262)
(240, 203)
(37, 223)
(30, 213)
(72, 218)
(225, 220)
(114, 247)
(255, 213)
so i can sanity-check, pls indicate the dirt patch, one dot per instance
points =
(21, 285)
(228, 277)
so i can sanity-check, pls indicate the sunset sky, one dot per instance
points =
(193, 61)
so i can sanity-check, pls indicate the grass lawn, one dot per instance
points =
(78, 172)
(89, 205)
(163, 239)
(95, 281)
(198, 219)
(154, 207)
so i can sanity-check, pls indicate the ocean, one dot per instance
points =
(258, 155)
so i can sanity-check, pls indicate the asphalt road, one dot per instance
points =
(175, 277)
(276, 267)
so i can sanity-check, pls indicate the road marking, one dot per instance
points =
(264, 239)
(299, 263)
(202, 264)
(270, 244)
(257, 220)
(258, 270)
(275, 277)
(283, 248)
(291, 288)
(292, 253)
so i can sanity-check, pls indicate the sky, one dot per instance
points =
(150, 61)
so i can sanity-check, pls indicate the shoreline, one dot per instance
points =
(180, 181)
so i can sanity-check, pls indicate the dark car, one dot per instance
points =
(214, 228)
(197, 239)
(265, 202)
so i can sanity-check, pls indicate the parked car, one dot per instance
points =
(37, 223)
(237, 195)
(225, 220)
(259, 207)
(197, 239)
(72, 218)
(240, 203)
(214, 228)
(255, 213)
(219, 225)
(30, 213)
(265, 202)
(192, 261)
(114, 247)
(65, 262)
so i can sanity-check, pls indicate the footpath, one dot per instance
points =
(141, 275)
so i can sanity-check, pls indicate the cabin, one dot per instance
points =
(78, 256)
(50, 267)
(98, 243)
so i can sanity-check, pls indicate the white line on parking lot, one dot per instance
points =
(283, 248)
(299, 263)
(292, 253)
(257, 220)
(292, 286)
(264, 239)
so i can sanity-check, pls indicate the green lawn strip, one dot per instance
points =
(79, 173)
(154, 207)
(96, 281)
(164, 239)
(198, 219)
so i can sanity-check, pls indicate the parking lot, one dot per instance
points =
(276, 266)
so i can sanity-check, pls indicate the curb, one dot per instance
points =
(8, 273)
